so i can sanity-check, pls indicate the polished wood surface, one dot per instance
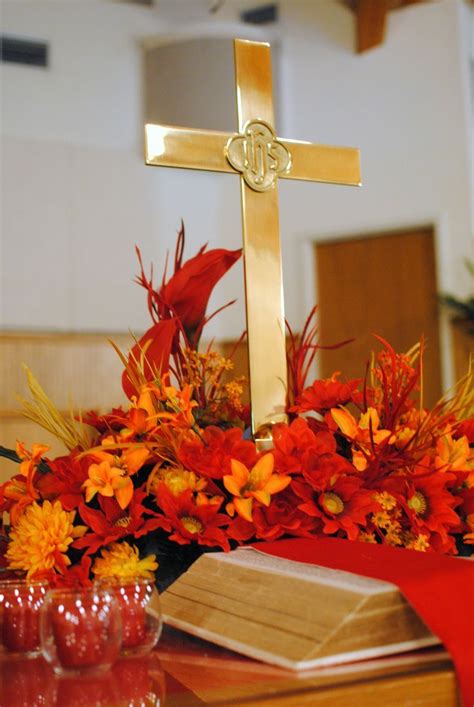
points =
(186, 672)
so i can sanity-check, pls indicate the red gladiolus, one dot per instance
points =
(155, 349)
(187, 292)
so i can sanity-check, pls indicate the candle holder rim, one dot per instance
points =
(72, 592)
(23, 583)
(124, 582)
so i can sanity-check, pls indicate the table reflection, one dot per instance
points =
(131, 682)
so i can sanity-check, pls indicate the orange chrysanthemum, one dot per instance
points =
(41, 538)
(122, 560)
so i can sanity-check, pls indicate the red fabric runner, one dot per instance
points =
(440, 588)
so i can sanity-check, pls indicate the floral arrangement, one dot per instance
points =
(146, 488)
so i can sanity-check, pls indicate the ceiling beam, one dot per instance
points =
(371, 23)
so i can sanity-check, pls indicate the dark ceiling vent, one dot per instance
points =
(260, 15)
(23, 51)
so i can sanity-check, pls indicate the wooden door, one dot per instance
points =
(386, 285)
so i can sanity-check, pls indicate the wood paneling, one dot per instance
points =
(463, 346)
(384, 285)
(81, 370)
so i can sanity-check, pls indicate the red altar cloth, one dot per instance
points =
(440, 588)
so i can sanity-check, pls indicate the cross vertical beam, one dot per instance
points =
(262, 250)
(260, 158)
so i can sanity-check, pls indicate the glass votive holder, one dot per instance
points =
(141, 613)
(20, 604)
(80, 630)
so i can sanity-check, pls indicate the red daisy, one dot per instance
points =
(113, 523)
(428, 503)
(342, 506)
(193, 521)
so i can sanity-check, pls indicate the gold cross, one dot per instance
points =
(260, 158)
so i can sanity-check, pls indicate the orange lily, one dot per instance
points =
(363, 432)
(454, 455)
(130, 461)
(109, 480)
(30, 461)
(259, 483)
(22, 491)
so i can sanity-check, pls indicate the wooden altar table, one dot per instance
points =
(186, 672)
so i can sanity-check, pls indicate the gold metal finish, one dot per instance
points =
(262, 262)
(260, 157)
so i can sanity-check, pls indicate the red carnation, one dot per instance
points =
(210, 457)
(296, 446)
(283, 517)
(64, 480)
(465, 429)
(325, 394)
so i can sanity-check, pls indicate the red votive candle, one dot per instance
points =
(20, 604)
(80, 630)
(133, 616)
(141, 615)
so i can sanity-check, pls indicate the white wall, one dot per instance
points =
(77, 197)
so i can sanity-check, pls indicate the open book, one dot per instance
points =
(290, 614)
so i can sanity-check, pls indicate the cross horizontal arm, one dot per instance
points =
(166, 146)
(323, 163)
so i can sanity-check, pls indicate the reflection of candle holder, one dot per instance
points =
(140, 680)
(80, 630)
(141, 613)
(26, 683)
(20, 604)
